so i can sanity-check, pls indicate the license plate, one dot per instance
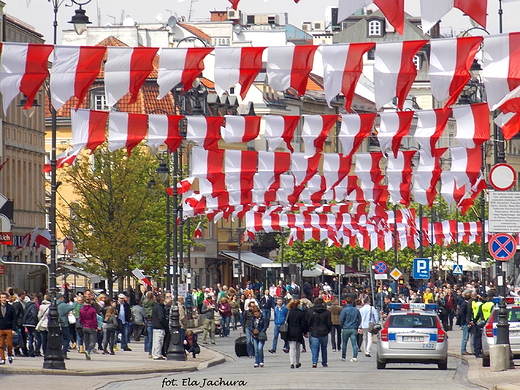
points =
(428, 345)
(417, 339)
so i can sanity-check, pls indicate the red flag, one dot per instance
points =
(43, 239)
(198, 231)
(234, 4)
(3, 164)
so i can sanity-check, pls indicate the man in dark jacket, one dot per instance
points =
(30, 320)
(266, 304)
(7, 328)
(319, 325)
(159, 324)
(463, 320)
(124, 313)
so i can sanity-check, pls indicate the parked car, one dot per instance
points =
(490, 331)
(412, 333)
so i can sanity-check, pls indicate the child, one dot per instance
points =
(190, 343)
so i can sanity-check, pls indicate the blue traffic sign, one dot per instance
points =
(457, 269)
(380, 267)
(421, 268)
(502, 246)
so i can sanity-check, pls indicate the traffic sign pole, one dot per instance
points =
(502, 247)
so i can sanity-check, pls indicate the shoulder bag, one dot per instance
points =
(373, 327)
(284, 328)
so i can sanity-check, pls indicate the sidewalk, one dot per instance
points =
(135, 362)
(482, 376)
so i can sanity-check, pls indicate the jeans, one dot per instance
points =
(225, 325)
(158, 338)
(259, 350)
(465, 337)
(316, 344)
(477, 340)
(267, 315)
(148, 338)
(450, 314)
(65, 339)
(275, 338)
(90, 338)
(249, 343)
(34, 340)
(335, 333)
(235, 320)
(352, 335)
(109, 337)
(44, 334)
(125, 336)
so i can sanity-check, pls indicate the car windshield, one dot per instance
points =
(514, 314)
(412, 321)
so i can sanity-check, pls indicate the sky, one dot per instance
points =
(39, 13)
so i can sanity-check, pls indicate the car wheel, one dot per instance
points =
(443, 365)
(380, 365)
(485, 361)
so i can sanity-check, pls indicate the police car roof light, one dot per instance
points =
(413, 306)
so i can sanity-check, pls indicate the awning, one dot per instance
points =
(64, 269)
(250, 258)
(317, 271)
(349, 271)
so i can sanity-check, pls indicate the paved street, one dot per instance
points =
(133, 370)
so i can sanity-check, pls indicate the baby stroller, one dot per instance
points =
(218, 327)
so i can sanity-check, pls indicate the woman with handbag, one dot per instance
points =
(258, 327)
(296, 329)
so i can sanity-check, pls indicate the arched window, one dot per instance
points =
(374, 28)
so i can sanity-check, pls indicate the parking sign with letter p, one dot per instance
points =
(421, 268)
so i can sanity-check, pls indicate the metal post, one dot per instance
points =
(323, 263)
(503, 329)
(239, 255)
(53, 357)
(483, 220)
(176, 349)
(396, 258)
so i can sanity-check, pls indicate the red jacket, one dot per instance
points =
(88, 317)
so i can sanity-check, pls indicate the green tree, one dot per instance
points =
(116, 222)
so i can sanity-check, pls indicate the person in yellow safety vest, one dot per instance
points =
(485, 309)
(476, 331)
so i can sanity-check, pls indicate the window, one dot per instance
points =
(250, 19)
(371, 55)
(99, 102)
(375, 28)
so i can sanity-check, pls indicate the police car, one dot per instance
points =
(490, 330)
(412, 333)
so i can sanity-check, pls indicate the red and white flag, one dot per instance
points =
(180, 65)
(354, 129)
(241, 128)
(342, 67)
(450, 190)
(433, 11)
(29, 239)
(430, 126)
(271, 165)
(68, 245)
(88, 128)
(335, 168)
(290, 66)
(204, 130)
(315, 130)
(368, 171)
(126, 70)
(399, 174)
(466, 165)
(126, 130)
(509, 119)
(239, 168)
(43, 239)
(501, 70)
(139, 275)
(392, 9)
(395, 70)
(472, 124)
(450, 62)
(394, 127)
(197, 233)
(73, 71)
(278, 129)
(23, 69)
(236, 65)
(66, 157)
(164, 129)
(427, 175)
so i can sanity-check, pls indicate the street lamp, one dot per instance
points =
(175, 349)
(53, 357)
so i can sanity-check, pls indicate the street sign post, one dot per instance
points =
(502, 177)
(502, 246)
(421, 268)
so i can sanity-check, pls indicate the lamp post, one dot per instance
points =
(53, 357)
(175, 349)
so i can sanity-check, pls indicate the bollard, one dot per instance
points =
(499, 357)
